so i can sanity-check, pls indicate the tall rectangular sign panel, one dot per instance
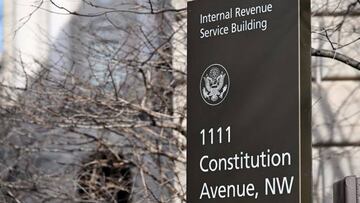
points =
(249, 101)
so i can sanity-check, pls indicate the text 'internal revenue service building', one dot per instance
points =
(249, 101)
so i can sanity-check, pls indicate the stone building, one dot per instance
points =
(336, 123)
(41, 34)
(78, 42)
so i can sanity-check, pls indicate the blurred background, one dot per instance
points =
(93, 99)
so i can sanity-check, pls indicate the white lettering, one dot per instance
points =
(277, 187)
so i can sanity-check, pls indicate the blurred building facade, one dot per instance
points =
(39, 31)
(336, 94)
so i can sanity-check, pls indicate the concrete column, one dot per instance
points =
(25, 45)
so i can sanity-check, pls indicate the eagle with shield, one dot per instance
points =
(215, 86)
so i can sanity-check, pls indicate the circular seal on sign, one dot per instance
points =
(214, 84)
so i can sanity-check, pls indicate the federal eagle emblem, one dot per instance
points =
(214, 85)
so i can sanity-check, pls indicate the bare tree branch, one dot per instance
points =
(332, 54)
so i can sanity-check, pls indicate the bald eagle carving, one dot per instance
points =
(214, 86)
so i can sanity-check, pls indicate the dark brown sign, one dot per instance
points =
(249, 101)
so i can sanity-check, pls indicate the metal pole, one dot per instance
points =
(347, 190)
